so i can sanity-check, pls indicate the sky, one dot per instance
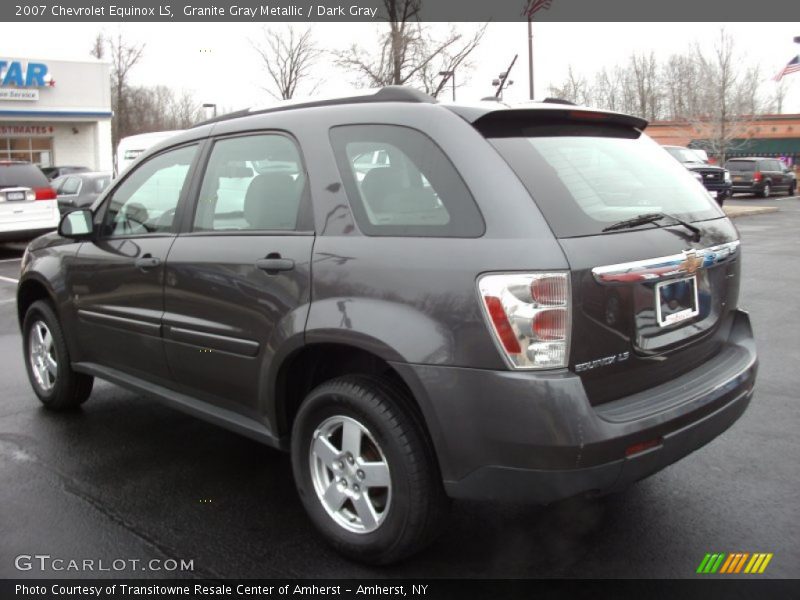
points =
(216, 62)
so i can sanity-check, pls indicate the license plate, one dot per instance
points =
(676, 301)
(13, 196)
(738, 178)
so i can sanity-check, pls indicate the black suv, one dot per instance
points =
(491, 312)
(715, 179)
(761, 176)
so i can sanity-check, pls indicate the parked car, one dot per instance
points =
(80, 190)
(27, 202)
(762, 176)
(56, 172)
(525, 302)
(132, 147)
(715, 179)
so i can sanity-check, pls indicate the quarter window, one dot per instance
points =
(148, 198)
(251, 183)
(400, 183)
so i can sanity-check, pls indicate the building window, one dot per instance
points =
(38, 150)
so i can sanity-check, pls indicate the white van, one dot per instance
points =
(131, 147)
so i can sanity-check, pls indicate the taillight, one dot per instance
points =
(757, 176)
(529, 316)
(45, 193)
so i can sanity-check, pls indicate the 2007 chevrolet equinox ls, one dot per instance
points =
(419, 301)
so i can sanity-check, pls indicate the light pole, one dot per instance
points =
(530, 58)
(445, 76)
(213, 108)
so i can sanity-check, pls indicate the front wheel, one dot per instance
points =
(365, 470)
(792, 188)
(47, 360)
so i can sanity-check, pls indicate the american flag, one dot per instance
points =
(793, 66)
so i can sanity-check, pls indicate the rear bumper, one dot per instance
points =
(504, 435)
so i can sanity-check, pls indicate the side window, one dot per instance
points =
(71, 186)
(251, 183)
(400, 182)
(148, 198)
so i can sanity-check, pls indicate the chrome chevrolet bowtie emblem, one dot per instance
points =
(691, 262)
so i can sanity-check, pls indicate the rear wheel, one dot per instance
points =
(365, 471)
(48, 363)
(766, 191)
(792, 188)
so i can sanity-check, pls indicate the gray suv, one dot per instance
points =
(515, 303)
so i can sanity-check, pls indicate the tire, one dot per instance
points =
(766, 191)
(387, 523)
(792, 188)
(47, 360)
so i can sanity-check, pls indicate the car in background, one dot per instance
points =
(762, 176)
(715, 179)
(56, 172)
(80, 190)
(133, 146)
(28, 205)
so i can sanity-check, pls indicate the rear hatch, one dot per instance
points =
(26, 199)
(742, 171)
(650, 296)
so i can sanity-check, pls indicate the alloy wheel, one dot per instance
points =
(350, 474)
(42, 356)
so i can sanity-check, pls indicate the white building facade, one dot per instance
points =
(56, 113)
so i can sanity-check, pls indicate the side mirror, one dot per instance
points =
(76, 224)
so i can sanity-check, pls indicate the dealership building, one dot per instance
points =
(55, 112)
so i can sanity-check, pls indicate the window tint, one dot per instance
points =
(400, 183)
(146, 201)
(70, 186)
(22, 175)
(254, 182)
(587, 177)
(741, 165)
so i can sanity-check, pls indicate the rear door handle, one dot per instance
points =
(147, 262)
(272, 265)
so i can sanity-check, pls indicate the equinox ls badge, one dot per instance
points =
(602, 362)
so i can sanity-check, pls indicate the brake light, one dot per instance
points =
(757, 176)
(529, 317)
(585, 114)
(550, 325)
(501, 325)
(45, 193)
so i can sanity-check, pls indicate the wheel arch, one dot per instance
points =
(313, 364)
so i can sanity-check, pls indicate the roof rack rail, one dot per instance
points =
(559, 101)
(390, 93)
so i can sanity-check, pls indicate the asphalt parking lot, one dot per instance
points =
(125, 478)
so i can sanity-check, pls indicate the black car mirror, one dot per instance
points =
(76, 224)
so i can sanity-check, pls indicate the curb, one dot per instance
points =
(748, 211)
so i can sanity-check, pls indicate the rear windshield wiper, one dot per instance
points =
(651, 218)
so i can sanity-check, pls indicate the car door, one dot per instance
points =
(238, 281)
(117, 279)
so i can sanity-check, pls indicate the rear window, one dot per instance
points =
(22, 176)
(587, 177)
(400, 183)
(741, 165)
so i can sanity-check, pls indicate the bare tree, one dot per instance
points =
(643, 77)
(98, 49)
(779, 95)
(124, 57)
(408, 53)
(288, 57)
(574, 88)
(729, 98)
